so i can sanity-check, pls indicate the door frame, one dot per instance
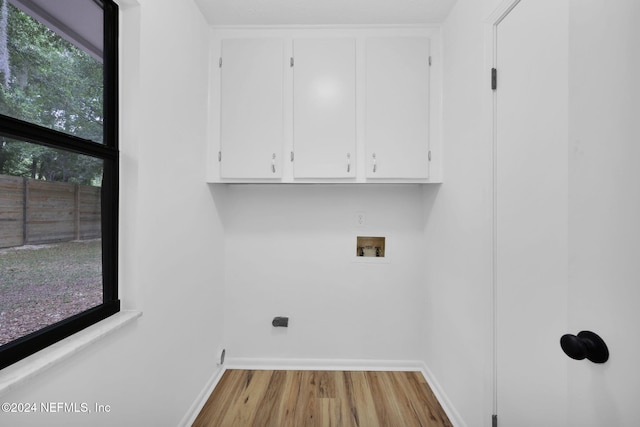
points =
(491, 62)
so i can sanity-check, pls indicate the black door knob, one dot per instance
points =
(586, 345)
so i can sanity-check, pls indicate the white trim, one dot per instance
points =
(20, 372)
(323, 364)
(199, 403)
(127, 3)
(392, 27)
(445, 402)
(501, 12)
(491, 47)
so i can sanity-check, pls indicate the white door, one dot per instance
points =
(604, 208)
(567, 203)
(324, 102)
(251, 108)
(531, 211)
(397, 107)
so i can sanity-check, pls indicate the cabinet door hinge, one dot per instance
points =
(220, 62)
(292, 156)
(494, 421)
(494, 79)
(429, 156)
(429, 61)
(291, 62)
(219, 156)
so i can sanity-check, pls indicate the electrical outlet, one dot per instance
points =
(361, 219)
(280, 322)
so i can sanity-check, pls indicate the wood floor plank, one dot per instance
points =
(403, 401)
(423, 400)
(289, 402)
(308, 407)
(326, 384)
(269, 405)
(414, 404)
(243, 410)
(246, 398)
(362, 402)
(226, 392)
(383, 402)
(345, 417)
(330, 415)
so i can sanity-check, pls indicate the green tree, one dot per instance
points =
(52, 83)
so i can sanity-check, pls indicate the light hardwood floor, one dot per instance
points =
(321, 398)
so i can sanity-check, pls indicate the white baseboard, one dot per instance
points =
(196, 407)
(324, 364)
(442, 397)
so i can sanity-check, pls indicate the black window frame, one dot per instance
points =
(29, 344)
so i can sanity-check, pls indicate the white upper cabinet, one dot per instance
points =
(324, 108)
(397, 107)
(325, 105)
(251, 108)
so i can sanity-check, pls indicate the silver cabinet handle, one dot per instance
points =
(348, 162)
(375, 165)
(273, 163)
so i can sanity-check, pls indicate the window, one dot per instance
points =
(58, 171)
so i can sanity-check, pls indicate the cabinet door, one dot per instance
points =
(324, 116)
(251, 118)
(397, 107)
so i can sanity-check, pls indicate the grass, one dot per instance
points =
(41, 285)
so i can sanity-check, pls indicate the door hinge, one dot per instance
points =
(291, 62)
(220, 62)
(429, 61)
(219, 156)
(494, 421)
(292, 156)
(429, 155)
(494, 79)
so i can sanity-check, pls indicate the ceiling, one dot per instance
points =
(324, 12)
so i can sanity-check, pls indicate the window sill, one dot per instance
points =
(21, 371)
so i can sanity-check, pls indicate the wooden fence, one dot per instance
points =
(35, 212)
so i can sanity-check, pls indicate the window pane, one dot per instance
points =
(50, 240)
(47, 80)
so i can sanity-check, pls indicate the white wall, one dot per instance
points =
(290, 251)
(171, 259)
(457, 344)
